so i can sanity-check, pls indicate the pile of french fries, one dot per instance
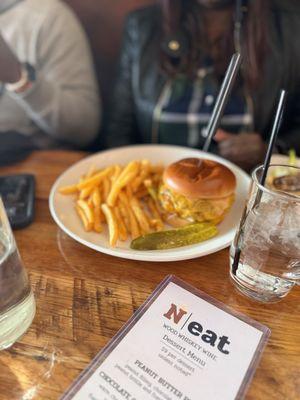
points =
(121, 197)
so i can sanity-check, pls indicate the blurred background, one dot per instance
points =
(103, 21)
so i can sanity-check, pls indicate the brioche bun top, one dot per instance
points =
(200, 178)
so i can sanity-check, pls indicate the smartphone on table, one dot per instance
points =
(18, 194)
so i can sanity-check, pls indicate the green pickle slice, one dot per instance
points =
(170, 239)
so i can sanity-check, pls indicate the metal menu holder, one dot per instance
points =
(180, 344)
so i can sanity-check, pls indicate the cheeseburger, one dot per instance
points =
(197, 190)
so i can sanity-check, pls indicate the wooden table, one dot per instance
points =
(84, 297)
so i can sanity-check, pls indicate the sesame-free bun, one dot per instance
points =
(198, 178)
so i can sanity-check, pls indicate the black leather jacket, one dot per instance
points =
(140, 80)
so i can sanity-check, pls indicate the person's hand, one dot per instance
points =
(245, 149)
(10, 67)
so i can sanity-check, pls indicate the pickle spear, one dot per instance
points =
(185, 236)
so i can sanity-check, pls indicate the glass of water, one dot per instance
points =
(17, 304)
(265, 254)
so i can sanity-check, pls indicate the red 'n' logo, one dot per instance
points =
(174, 314)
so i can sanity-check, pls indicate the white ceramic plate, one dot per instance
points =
(63, 212)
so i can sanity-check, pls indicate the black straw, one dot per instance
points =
(274, 134)
(222, 99)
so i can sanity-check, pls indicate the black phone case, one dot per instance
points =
(18, 194)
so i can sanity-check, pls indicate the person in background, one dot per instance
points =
(174, 58)
(48, 89)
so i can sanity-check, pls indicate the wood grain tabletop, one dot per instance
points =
(84, 297)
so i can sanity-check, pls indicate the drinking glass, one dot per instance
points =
(17, 304)
(265, 254)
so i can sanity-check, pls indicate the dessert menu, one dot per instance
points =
(181, 344)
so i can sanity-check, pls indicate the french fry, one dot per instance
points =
(106, 188)
(134, 227)
(112, 224)
(95, 180)
(87, 211)
(121, 225)
(133, 224)
(150, 188)
(87, 225)
(84, 193)
(96, 198)
(133, 166)
(68, 189)
(116, 174)
(97, 220)
(156, 221)
(126, 176)
(123, 198)
(124, 214)
(140, 215)
(144, 172)
(153, 218)
(90, 202)
(147, 215)
(129, 192)
(94, 202)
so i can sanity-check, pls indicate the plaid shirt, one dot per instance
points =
(184, 108)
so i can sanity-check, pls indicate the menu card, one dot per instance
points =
(181, 344)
